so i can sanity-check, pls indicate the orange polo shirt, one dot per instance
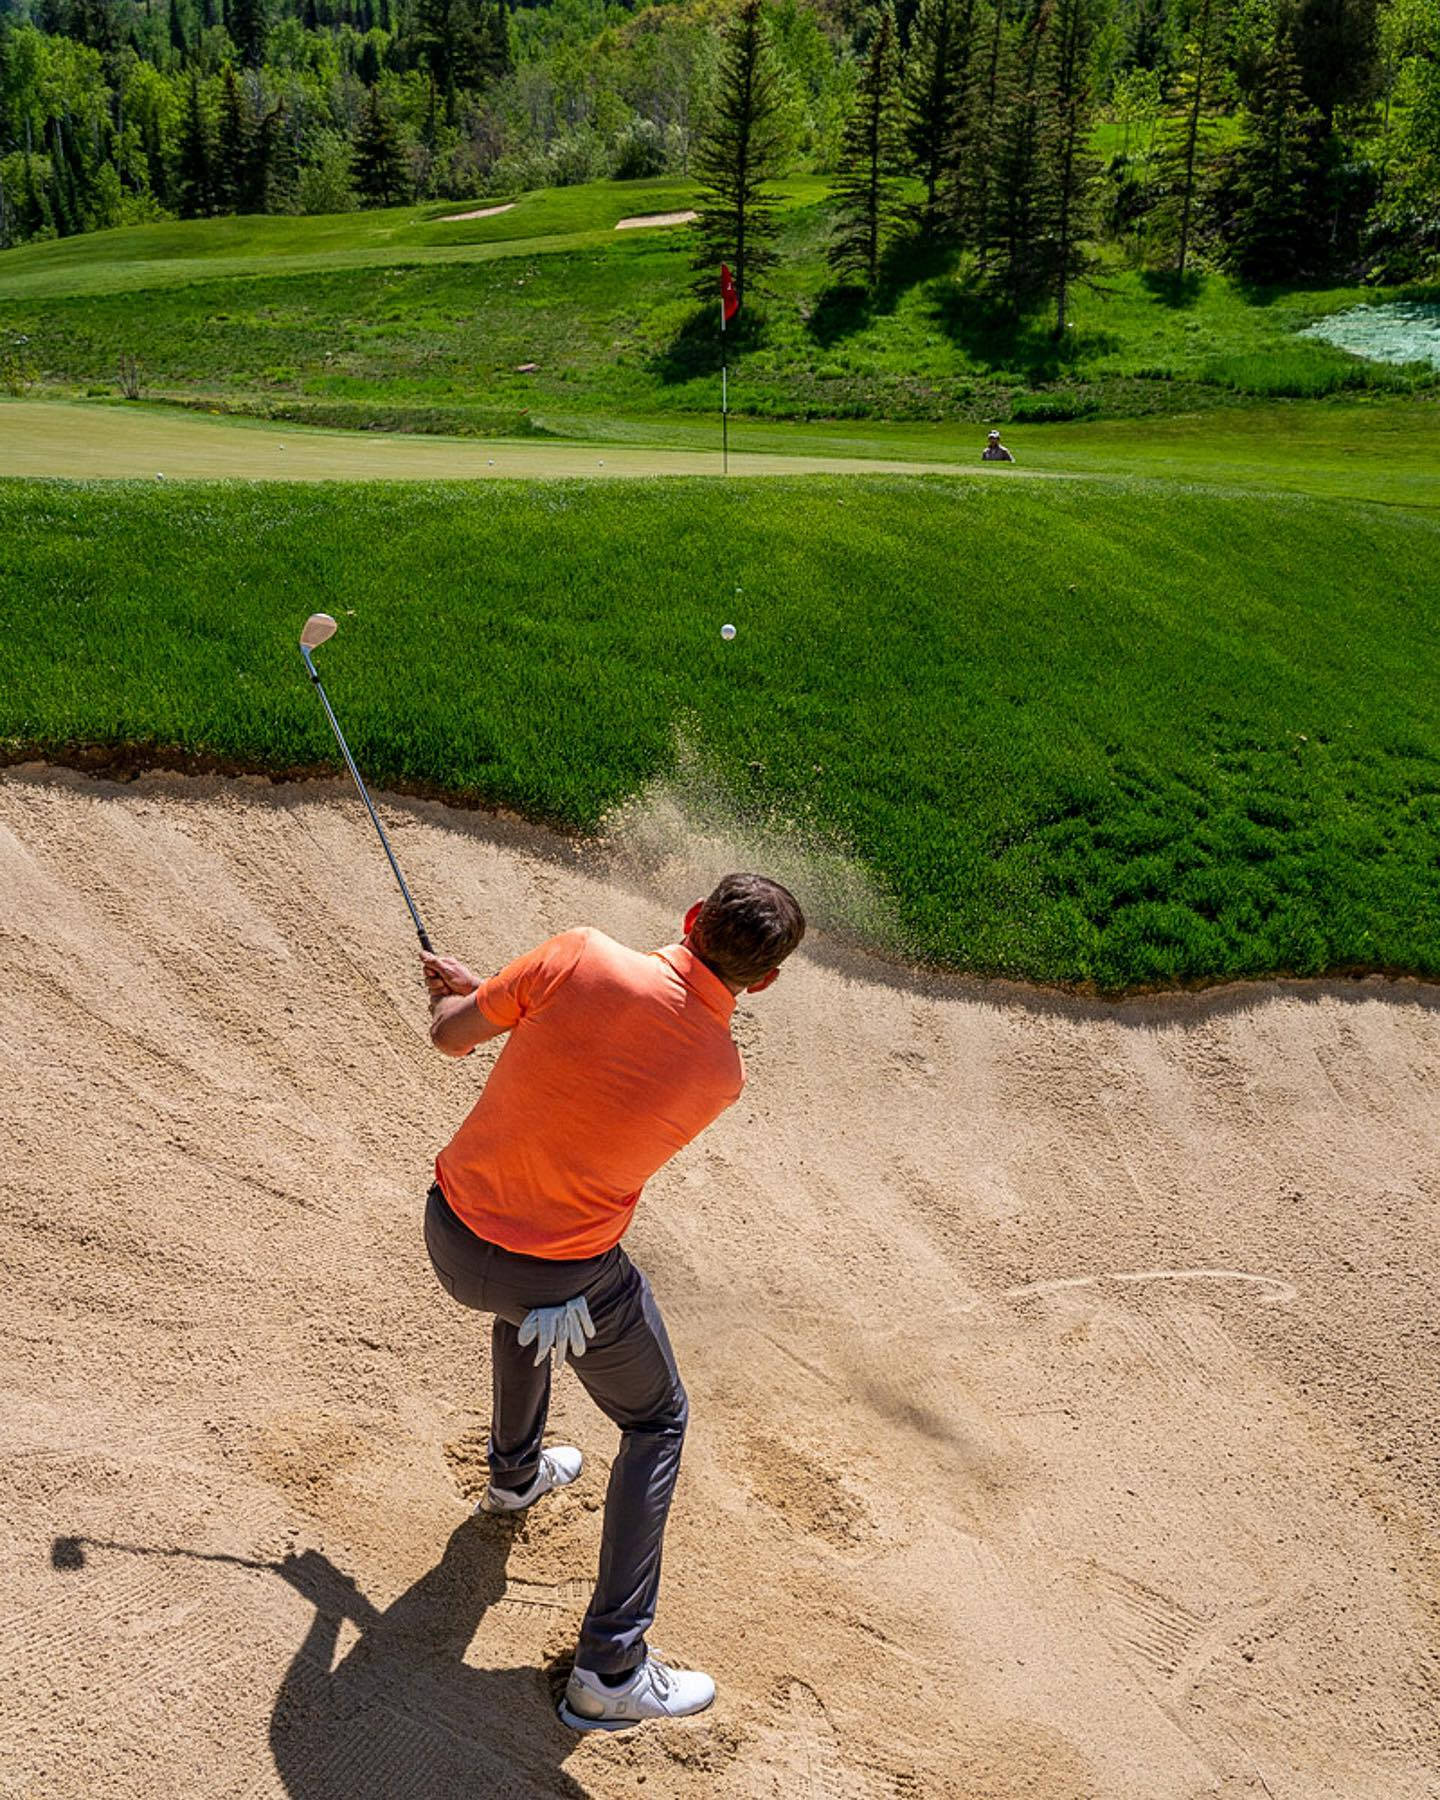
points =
(615, 1061)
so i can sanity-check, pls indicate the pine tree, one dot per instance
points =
(156, 168)
(1149, 35)
(377, 162)
(1014, 218)
(478, 54)
(194, 189)
(978, 146)
(179, 39)
(1067, 168)
(1196, 80)
(936, 86)
(258, 194)
(741, 148)
(96, 23)
(34, 209)
(234, 145)
(870, 157)
(499, 60)
(437, 25)
(249, 24)
(1337, 52)
(1276, 171)
(68, 182)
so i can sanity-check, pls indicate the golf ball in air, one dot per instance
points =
(727, 632)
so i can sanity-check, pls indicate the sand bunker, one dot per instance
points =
(643, 219)
(483, 212)
(1062, 1376)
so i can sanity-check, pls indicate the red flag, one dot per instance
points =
(729, 299)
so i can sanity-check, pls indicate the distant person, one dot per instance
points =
(616, 1060)
(995, 451)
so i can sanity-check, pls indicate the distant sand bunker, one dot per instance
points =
(483, 212)
(680, 218)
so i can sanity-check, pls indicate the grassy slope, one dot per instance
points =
(377, 311)
(178, 252)
(1069, 752)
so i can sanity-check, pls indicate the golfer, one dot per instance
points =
(994, 450)
(615, 1061)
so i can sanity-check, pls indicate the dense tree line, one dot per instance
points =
(1285, 139)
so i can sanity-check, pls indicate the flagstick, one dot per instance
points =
(724, 398)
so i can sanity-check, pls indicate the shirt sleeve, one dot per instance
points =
(525, 985)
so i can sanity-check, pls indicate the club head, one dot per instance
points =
(318, 627)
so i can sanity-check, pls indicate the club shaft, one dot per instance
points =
(420, 930)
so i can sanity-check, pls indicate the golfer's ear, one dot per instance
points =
(692, 916)
(759, 987)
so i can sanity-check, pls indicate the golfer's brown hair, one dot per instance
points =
(747, 927)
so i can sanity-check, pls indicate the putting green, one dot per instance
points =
(99, 443)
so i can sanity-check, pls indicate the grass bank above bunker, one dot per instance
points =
(1080, 733)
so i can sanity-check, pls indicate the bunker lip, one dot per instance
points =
(127, 763)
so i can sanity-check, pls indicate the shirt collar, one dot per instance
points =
(704, 983)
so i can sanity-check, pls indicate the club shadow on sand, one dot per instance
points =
(402, 1715)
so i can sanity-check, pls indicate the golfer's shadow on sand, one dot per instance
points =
(401, 1715)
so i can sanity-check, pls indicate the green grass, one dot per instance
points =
(1066, 749)
(1378, 450)
(176, 252)
(397, 316)
(123, 441)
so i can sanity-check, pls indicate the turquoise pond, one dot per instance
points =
(1401, 331)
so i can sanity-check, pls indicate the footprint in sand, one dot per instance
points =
(802, 1753)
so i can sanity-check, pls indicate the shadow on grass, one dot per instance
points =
(694, 351)
(847, 307)
(996, 340)
(1172, 289)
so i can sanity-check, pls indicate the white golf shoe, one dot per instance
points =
(558, 1468)
(654, 1691)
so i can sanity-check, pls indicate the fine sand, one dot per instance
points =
(641, 220)
(1062, 1375)
(481, 212)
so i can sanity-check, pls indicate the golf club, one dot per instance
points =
(319, 627)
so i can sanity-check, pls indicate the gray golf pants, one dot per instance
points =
(628, 1370)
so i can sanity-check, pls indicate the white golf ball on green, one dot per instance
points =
(727, 632)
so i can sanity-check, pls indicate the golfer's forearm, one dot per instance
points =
(457, 1025)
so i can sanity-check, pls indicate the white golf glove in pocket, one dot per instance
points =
(558, 1330)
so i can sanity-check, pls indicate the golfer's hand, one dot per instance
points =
(558, 1329)
(443, 975)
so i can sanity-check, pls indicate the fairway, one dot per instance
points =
(92, 443)
(1387, 452)
(187, 252)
